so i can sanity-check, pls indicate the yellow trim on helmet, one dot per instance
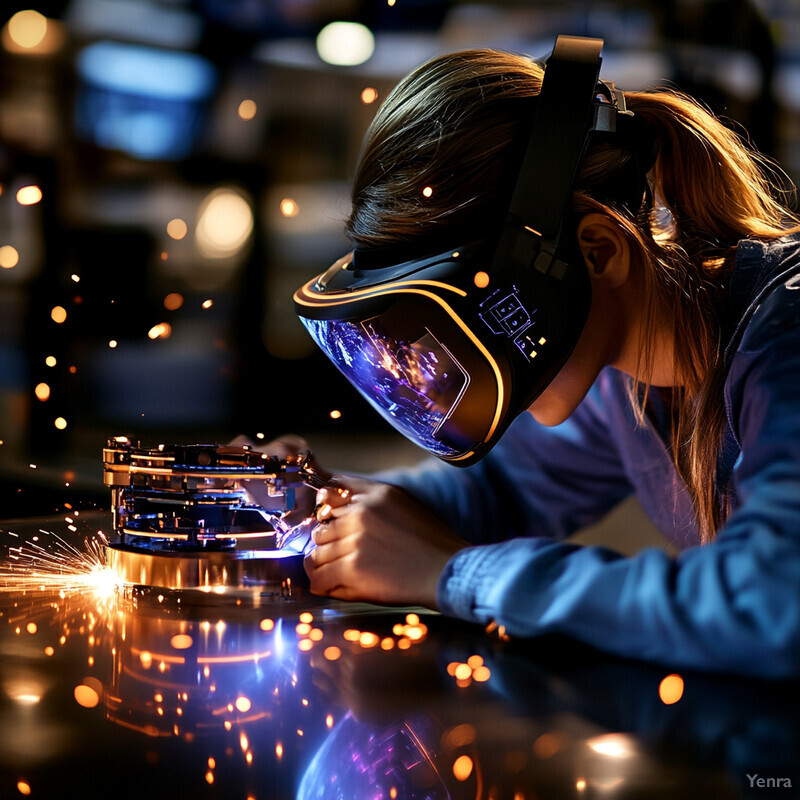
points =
(363, 293)
(406, 287)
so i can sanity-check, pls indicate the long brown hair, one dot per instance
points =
(443, 150)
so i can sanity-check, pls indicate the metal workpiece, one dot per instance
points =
(206, 516)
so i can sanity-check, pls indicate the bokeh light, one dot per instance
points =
(345, 44)
(161, 331)
(27, 28)
(9, 257)
(177, 228)
(173, 301)
(289, 207)
(86, 696)
(670, 690)
(225, 222)
(462, 768)
(29, 195)
(247, 109)
(58, 314)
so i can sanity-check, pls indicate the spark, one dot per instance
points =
(60, 567)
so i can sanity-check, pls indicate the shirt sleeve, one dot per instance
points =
(732, 605)
(537, 481)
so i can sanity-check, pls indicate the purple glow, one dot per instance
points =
(414, 384)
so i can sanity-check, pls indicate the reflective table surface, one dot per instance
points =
(129, 691)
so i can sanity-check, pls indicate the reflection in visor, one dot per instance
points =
(415, 385)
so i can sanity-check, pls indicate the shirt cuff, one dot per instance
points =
(468, 584)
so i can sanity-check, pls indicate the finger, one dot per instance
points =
(328, 553)
(330, 532)
(334, 496)
(324, 580)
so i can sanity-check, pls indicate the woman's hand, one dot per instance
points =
(378, 544)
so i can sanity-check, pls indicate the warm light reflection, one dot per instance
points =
(42, 392)
(243, 704)
(161, 331)
(181, 641)
(247, 109)
(29, 195)
(427, 191)
(224, 224)
(289, 207)
(9, 257)
(332, 653)
(58, 314)
(472, 670)
(177, 228)
(481, 279)
(460, 736)
(369, 95)
(548, 744)
(86, 696)
(23, 787)
(24, 692)
(335, 414)
(670, 690)
(462, 768)
(60, 423)
(613, 745)
(27, 28)
(173, 301)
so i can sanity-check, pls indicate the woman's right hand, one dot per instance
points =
(378, 544)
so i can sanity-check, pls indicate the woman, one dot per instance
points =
(683, 388)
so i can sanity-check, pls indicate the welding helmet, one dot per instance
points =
(452, 346)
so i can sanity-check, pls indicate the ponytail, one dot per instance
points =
(711, 191)
(717, 188)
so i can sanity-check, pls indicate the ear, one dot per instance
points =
(605, 249)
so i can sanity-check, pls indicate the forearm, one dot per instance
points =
(689, 612)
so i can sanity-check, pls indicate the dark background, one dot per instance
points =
(121, 147)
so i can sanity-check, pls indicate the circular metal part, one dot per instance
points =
(269, 570)
(205, 516)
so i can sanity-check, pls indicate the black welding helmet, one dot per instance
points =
(451, 347)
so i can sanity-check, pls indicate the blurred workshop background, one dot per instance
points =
(171, 170)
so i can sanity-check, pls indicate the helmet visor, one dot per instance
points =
(398, 361)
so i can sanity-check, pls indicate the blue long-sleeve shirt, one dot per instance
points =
(731, 605)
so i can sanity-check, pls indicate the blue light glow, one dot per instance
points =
(414, 385)
(141, 100)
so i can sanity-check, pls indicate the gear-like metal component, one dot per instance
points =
(206, 516)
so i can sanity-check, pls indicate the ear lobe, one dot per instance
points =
(605, 250)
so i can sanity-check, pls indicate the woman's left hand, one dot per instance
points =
(378, 544)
